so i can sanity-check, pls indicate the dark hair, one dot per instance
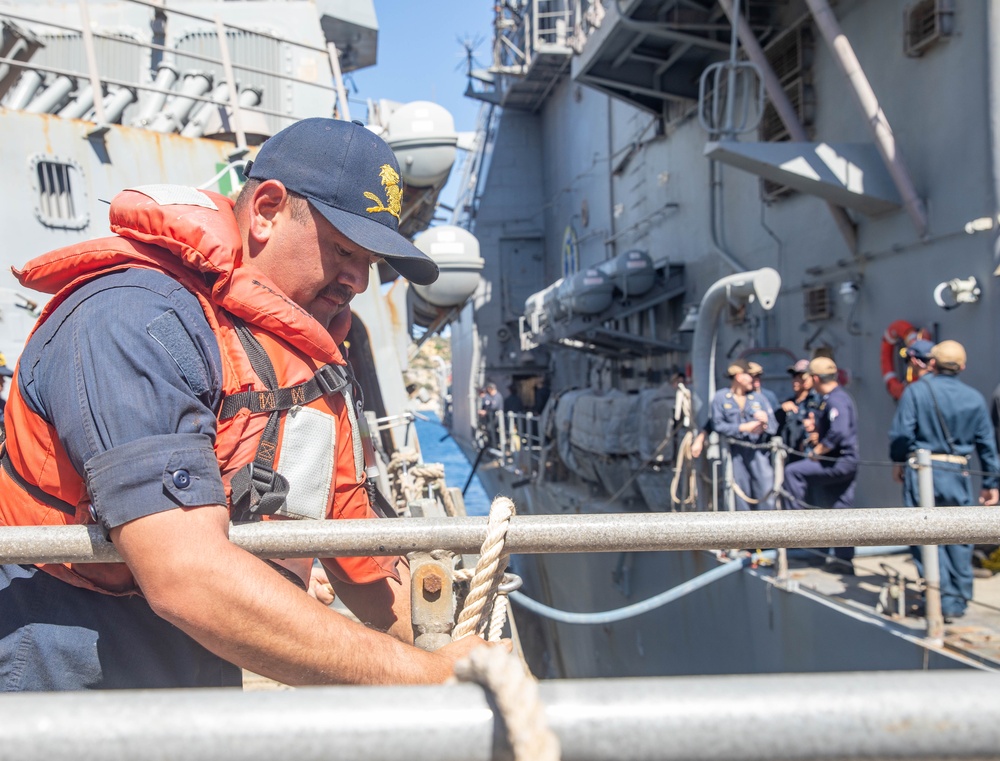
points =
(300, 208)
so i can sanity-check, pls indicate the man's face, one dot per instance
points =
(324, 270)
(744, 381)
(802, 382)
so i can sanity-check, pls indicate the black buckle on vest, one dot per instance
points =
(330, 380)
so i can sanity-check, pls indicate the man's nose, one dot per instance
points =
(356, 276)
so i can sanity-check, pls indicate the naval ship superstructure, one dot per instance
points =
(663, 186)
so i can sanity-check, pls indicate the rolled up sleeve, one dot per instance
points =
(129, 373)
(151, 475)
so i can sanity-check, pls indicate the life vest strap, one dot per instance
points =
(34, 491)
(328, 380)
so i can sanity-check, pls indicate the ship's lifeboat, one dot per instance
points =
(897, 336)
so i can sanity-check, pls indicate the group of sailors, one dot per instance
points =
(818, 430)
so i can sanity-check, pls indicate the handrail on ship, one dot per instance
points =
(185, 53)
(538, 534)
(522, 446)
(881, 715)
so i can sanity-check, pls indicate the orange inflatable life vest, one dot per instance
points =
(192, 236)
(899, 332)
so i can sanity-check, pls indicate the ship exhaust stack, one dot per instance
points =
(762, 285)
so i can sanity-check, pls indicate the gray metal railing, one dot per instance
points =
(881, 715)
(520, 441)
(226, 63)
(533, 534)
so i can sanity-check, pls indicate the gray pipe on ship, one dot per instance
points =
(201, 115)
(80, 105)
(117, 101)
(166, 77)
(173, 117)
(763, 284)
(49, 99)
(26, 88)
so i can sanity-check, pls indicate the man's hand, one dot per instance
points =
(698, 445)
(459, 648)
(897, 473)
(989, 497)
(790, 406)
(320, 586)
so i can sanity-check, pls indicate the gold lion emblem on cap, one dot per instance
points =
(393, 193)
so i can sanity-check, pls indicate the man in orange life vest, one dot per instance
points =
(187, 373)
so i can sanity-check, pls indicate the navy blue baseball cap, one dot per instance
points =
(919, 350)
(351, 177)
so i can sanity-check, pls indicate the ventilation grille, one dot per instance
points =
(817, 303)
(791, 56)
(257, 50)
(115, 60)
(59, 188)
(927, 23)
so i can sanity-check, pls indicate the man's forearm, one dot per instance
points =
(383, 605)
(245, 612)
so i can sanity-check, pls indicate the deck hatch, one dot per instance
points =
(59, 188)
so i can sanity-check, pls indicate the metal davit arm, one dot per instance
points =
(763, 284)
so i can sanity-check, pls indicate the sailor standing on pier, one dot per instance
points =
(746, 421)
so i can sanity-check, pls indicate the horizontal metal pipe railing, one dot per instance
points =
(135, 86)
(172, 51)
(881, 715)
(533, 534)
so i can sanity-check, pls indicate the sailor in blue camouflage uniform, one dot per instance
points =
(829, 471)
(950, 419)
(741, 416)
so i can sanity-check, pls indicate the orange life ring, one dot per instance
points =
(898, 332)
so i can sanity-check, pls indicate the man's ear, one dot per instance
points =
(268, 199)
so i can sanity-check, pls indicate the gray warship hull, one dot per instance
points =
(872, 192)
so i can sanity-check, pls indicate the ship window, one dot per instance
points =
(927, 23)
(61, 201)
(817, 303)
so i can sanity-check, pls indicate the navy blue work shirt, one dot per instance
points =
(916, 425)
(837, 425)
(129, 372)
(791, 425)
